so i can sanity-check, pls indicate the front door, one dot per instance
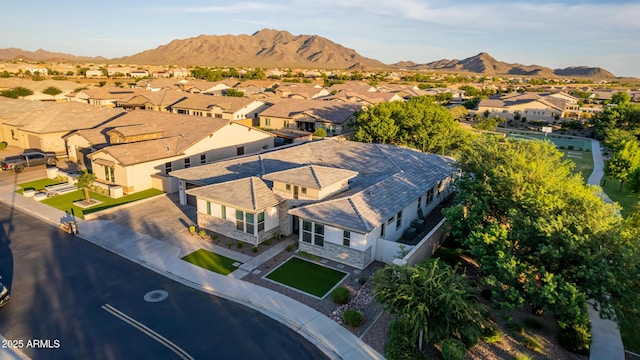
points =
(296, 189)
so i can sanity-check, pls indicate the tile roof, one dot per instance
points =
(230, 104)
(49, 117)
(311, 176)
(389, 177)
(332, 111)
(246, 194)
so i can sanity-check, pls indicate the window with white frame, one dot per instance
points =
(167, 167)
(346, 238)
(187, 163)
(318, 235)
(430, 196)
(203, 159)
(261, 221)
(250, 221)
(399, 220)
(109, 174)
(223, 212)
(306, 231)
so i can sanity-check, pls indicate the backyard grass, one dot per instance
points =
(211, 261)
(64, 202)
(306, 276)
(560, 141)
(37, 185)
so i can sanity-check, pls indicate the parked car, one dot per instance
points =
(4, 294)
(28, 159)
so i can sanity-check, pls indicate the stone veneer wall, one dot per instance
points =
(342, 254)
(228, 228)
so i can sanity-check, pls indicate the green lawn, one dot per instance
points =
(64, 202)
(37, 185)
(559, 140)
(211, 261)
(583, 161)
(623, 197)
(306, 276)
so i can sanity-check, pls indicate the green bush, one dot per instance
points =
(254, 249)
(453, 349)
(202, 233)
(288, 248)
(575, 339)
(340, 295)
(239, 244)
(362, 280)
(3, 145)
(353, 318)
(530, 342)
(469, 336)
(400, 345)
(450, 256)
(570, 147)
(491, 335)
(192, 229)
(267, 242)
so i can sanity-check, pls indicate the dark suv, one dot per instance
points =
(28, 159)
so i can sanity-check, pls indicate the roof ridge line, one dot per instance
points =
(355, 208)
(315, 176)
(252, 191)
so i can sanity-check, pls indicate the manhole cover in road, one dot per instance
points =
(155, 295)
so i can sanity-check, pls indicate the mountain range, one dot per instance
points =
(273, 48)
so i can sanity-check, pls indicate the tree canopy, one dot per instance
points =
(16, 92)
(540, 234)
(420, 123)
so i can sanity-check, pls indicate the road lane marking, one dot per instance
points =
(154, 335)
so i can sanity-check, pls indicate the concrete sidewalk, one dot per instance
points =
(334, 340)
(606, 342)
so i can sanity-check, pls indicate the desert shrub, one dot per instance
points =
(214, 236)
(3, 145)
(288, 248)
(522, 357)
(400, 345)
(453, 349)
(353, 317)
(254, 249)
(340, 295)
(239, 244)
(491, 335)
(192, 229)
(575, 339)
(202, 233)
(469, 336)
(267, 242)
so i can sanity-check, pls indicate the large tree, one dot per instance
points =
(540, 234)
(625, 158)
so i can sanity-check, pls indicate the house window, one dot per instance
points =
(390, 221)
(346, 238)
(218, 116)
(223, 212)
(203, 159)
(306, 231)
(167, 167)
(261, 221)
(240, 150)
(382, 230)
(287, 187)
(430, 195)
(187, 163)
(267, 122)
(419, 202)
(109, 174)
(240, 220)
(399, 220)
(318, 235)
(303, 190)
(286, 123)
(250, 220)
(208, 208)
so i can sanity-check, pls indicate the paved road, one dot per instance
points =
(93, 303)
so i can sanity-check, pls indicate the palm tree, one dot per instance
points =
(84, 181)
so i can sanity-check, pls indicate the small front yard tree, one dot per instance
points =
(84, 182)
(434, 300)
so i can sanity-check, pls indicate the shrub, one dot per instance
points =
(303, 254)
(453, 349)
(202, 233)
(353, 317)
(254, 249)
(514, 327)
(450, 256)
(362, 280)
(267, 242)
(575, 339)
(239, 244)
(400, 345)
(469, 336)
(288, 248)
(214, 236)
(570, 147)
(3, 145)
(530, 342)
(491, 335)
(192, 229)
(340, 295)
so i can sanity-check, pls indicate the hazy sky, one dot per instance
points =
(556, 34)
